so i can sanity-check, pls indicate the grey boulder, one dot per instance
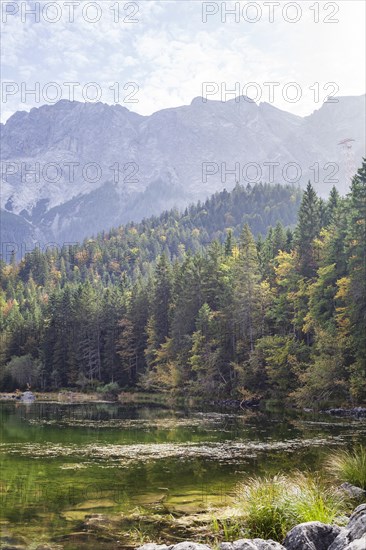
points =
(190, 546)
(311, 536)
(181, 546)
(359, 544)
(251, 544)
(353, 536)
(243, 544)
(352, 490)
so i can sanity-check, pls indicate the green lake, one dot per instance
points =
(61, 463)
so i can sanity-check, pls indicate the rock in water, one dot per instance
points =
(311, 536)
(251, 544)
(28, 397)
(353, 536)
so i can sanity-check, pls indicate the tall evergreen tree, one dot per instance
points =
(160, 308)
(357, 272)
(307, 230)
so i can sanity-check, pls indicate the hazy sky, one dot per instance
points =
(152, 54)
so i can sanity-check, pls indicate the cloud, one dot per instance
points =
(170, 51)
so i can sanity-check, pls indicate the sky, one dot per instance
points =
(149, 55)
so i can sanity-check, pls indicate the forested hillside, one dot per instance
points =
(131, 250)
(281, 316)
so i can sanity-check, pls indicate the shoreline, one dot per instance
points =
(168, 400)
(58, 397)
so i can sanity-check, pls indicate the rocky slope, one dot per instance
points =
(71, 169)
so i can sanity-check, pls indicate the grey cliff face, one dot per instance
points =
(73, 169)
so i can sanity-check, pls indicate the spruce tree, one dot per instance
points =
(307, 230)
(357, 272)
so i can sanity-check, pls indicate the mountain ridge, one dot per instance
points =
(174, 156)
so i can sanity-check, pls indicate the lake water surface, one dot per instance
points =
(61, 463)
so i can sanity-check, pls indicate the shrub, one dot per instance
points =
(110, 390)
(21, 371)
(350, 466)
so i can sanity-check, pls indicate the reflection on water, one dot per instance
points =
(61, 463)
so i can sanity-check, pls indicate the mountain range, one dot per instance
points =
(72, 169)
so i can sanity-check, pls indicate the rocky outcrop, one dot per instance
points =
(311, 536)
(353, 536)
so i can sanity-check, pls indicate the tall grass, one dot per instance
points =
(349, 466)
(227, 529)
(264, 507)
(272, 506)
(316, 501)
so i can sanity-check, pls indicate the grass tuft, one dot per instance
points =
(349, 466)
(272, 506)
(264, 506)
(226, 529)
